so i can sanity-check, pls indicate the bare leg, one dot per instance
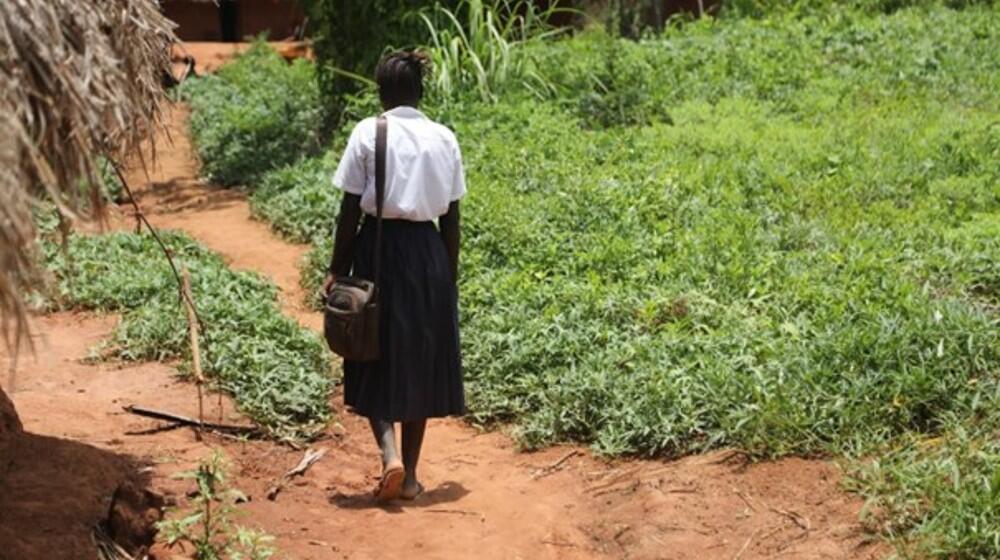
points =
(413, 440)
(385, 437)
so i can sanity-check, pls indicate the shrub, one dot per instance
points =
(209, 526)
(759, 8)
(256, 114)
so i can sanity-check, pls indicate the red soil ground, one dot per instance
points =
(484, 498)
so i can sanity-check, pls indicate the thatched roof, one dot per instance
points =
(77, 79)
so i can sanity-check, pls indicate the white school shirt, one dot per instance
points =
(423, 166)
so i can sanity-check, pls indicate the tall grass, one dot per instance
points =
(472, 47)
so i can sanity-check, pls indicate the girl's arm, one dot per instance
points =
(343, 241)
(451, 232)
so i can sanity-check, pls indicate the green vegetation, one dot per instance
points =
(474, 49)
(299, 200)
(761, 8)
(254, 115)
(350, 36)
(780, 234)
(277, 371)
(209, 526)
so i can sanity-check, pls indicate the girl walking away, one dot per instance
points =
(419, 372)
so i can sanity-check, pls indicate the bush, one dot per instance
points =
(476, 49)
(256, 114)
(277, 371)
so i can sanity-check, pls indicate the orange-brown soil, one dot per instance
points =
(484, 499)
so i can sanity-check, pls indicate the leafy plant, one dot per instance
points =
(278, 372)
(759, 8)
(938, 496)
(111, 185)
(299, 200)
(208, 527)
(256, 114)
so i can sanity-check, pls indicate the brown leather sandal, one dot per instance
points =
(391, 484)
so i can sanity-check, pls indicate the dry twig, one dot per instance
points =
(549, 469)
(311, 456)
(454, 511)
(796, 517)
(199, 379)
(171, 417)
(746, 545)
(746, 499)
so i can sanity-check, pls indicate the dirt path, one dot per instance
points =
(484, 499)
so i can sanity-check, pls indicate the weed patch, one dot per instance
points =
(277, 371)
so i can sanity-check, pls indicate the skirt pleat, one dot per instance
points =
(419, 371)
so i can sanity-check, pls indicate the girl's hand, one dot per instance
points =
(328, 285)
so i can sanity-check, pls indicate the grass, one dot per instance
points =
(779, 234)
(474, 46)
(277, 371)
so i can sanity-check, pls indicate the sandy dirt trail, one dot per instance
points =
(484, 498)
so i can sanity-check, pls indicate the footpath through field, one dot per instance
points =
(485, 499)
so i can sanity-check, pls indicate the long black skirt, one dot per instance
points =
(419, 371)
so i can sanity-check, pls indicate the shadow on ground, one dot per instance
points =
(54, 492)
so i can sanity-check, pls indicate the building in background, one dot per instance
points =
(235, 20)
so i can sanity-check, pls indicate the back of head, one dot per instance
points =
(400, 78)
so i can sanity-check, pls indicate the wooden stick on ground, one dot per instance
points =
(546, 471)
(746, 545)
(171, 417)
(453, 511)
(199, 379)
(796, 517)
(311, 456)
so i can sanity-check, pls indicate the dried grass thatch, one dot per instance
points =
(77, 80)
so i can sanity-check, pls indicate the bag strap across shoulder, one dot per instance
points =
(381, 137)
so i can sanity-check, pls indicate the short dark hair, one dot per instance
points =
(400, 78)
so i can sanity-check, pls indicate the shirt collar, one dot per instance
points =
(406, 112)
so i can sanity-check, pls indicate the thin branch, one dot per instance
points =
(547, 470)
(311, 456)
(199, 379)
(171, 417)
(140, 216)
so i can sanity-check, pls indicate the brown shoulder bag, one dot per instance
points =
(350, 322)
